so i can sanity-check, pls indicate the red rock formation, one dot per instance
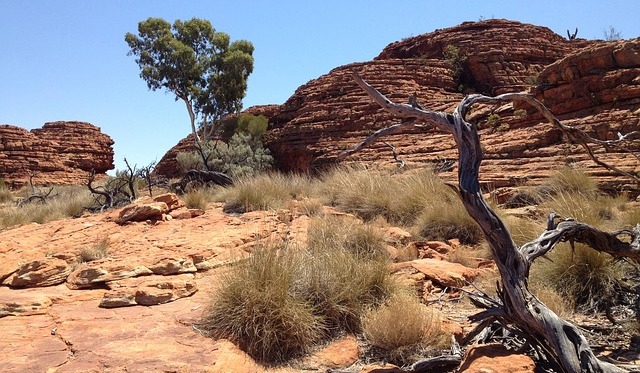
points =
(58, 153)
(589, 84)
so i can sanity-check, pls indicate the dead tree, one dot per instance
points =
(561, 340)
(198, 178)
(36, 195)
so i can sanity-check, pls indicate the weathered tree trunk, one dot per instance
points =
(519, 307)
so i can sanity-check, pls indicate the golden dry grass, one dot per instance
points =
(403, 327)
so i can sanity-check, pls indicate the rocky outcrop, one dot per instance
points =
(592, 85)
(57, 153)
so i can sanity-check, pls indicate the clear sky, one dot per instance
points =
(67, 60)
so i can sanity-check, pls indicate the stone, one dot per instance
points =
(94, 273)
(14, 303)
(151, 292)
(170, 199)
(397, 236)
(495, 358)
(148, 291)
(342, 352)
(41, 272)
(384, 368)
(58, 153)
(185, 213)
(142, 212)
(172, 266)
(446, 273)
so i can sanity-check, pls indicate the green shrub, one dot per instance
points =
(240, 152)
(458, 61)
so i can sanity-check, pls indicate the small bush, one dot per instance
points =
(447, 219)
(399, 198)
(5, 193)
(280, 303)
(197, 198)
(258, 308)
(97, 251)
(265, 191)
(586, 275)
(403, 326)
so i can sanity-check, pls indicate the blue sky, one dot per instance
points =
(67, 60)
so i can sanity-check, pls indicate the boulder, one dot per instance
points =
(13, 303)
(41, 272)
(446, 273)
(93, 274)
(58, 153)
(148, 291)
(142, 212)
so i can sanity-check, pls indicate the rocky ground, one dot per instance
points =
(135, 309)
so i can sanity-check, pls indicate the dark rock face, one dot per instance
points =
(57, 153)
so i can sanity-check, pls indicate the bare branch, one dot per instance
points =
(574, 231)
(541, 326)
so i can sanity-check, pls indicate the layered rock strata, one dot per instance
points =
(57, 153)
(592, 85)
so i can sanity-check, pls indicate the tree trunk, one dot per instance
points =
(520, 307)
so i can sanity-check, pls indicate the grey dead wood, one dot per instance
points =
(519, 308)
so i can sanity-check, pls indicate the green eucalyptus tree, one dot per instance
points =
(196, 63)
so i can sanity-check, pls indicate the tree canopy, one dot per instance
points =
(196, 63)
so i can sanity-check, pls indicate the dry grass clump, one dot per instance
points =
(62, 202)
(446, 219)
(468, 256)
(281, 302)
(327, 232)
(198, 198)
(264, 192)
(403, 327)
(561, 305)
(570, 180)
(259, 308)
(96, 251)
(523, 229)
(589, 277)
(597, 210)
(5, 193)
(398, 197)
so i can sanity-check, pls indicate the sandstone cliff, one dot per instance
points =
(58, 153)
(590, 84)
